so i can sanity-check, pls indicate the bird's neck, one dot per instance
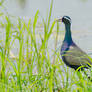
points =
(68, 36)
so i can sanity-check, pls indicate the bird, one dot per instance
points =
(72, 55)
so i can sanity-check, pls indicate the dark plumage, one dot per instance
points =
(71, 54)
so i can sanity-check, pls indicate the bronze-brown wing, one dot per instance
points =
(75, 56)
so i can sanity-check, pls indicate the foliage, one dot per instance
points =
(34, 68)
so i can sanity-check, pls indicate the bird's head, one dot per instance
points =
(65, 20)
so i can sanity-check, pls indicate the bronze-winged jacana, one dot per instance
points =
(71, 54)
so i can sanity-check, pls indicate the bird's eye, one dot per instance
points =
(67, 19)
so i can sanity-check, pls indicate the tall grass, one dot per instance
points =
(34, 68)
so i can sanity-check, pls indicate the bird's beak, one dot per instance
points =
(59, 20)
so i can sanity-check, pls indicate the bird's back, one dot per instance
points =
(73, 56)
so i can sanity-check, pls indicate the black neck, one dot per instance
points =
(68, 36)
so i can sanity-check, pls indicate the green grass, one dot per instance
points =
(34, 68)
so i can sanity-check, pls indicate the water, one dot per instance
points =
(79, 11)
